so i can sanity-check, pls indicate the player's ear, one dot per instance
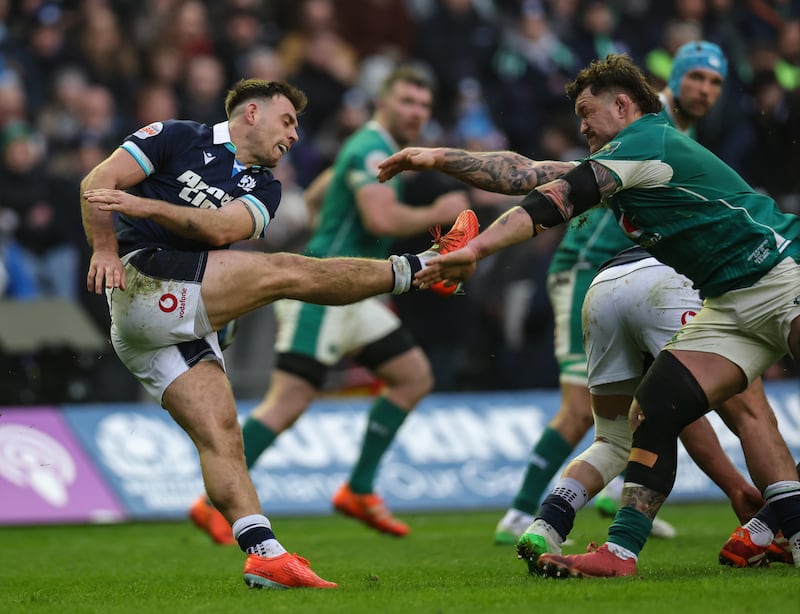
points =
(622, 102)
(251, 111)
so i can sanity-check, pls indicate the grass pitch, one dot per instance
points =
(448, 564)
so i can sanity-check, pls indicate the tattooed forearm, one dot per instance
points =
(606, 182)
(645, 500)
(505, 172)
(549, 170)
(558, 193)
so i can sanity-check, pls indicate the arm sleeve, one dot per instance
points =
(583, 195)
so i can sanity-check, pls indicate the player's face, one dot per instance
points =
(699, 90)
(406, 110)
(275, 131)
(602, 116)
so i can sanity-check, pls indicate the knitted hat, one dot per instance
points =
(696, 54)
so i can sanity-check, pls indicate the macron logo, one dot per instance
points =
(208, 157)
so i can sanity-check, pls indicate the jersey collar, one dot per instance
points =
(374, 125)
(668, 111)
(222, 136)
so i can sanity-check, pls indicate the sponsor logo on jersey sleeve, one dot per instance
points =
(150, 130)
(607, 149)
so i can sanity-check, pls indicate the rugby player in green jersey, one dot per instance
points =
(695, 84)
(691, 211)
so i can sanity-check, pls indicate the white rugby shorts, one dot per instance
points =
(630, 312)
(159, 325)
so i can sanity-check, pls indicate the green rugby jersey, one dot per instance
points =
(691, 210)
(340, 231)
(591, 239)
(594, 237)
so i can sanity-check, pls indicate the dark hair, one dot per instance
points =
(247, 89)
(616, 73)
(405, 74)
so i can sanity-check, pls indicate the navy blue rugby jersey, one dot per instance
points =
(194, 165)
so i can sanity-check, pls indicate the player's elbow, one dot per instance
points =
(379, 227)
(223, 237)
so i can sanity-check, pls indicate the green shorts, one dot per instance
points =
(567, 290)
(328, 334)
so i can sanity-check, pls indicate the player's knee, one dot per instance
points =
(670, 398)
(609, 452)
(574, 417)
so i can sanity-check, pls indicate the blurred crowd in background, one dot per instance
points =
(77, 76)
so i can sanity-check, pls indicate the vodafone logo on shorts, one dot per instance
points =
(168, 303)
(687, 315)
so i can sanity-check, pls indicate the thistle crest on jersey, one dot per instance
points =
(247, 183)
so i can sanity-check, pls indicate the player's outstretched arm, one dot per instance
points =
(552, 204)
(505, 172)
(513, 226)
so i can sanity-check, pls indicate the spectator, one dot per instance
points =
(202, 92)
(243, 30)
(59, 118)
(47, 214)
(457, 41)
(774, 132)
(327, 70)
(109, 57)
(377, 27)
(13, 100)
(189, 29)
(528, 76)
(46, 53)
(260, 63)
(98, 116)
(658, 61)
(564, 16)
(787, 68)
(164, 63)
(155, 102)
(597, 35)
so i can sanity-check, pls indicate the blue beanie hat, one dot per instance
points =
(696, 54)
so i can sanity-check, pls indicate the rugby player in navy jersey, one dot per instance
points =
(159, 213)
(694, 213)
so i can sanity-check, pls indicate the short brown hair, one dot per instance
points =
(616, 73)
(405, 74)
(247, 89)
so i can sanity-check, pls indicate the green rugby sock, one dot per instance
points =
(384, 421)
(257, 438)
(547, 456)
(630, 529)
